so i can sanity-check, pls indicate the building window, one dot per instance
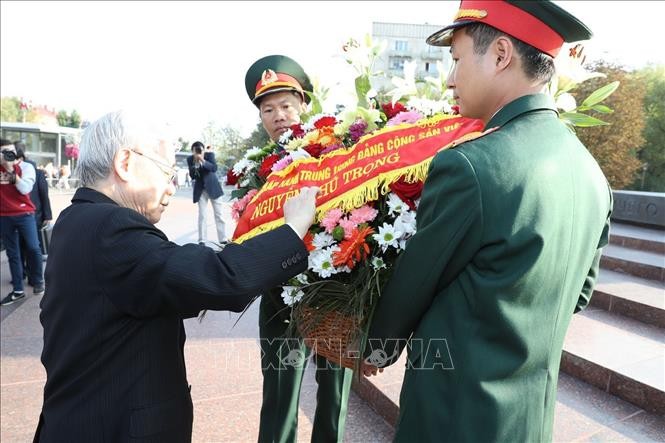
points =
(401, 45)
(396, 63)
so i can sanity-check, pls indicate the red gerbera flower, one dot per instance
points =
(266, 166)
(298, 131)
(314, 150)
(353, 249)
(392, 110)
(231, 178)
(407, 192)
(325, 121)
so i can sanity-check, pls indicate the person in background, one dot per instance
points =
(202, 169)
(277, 85)
(17, 219)
(114, 335)
(511, 227)
(40, 199)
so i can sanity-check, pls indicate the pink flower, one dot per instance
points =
(281, 164)
(349, 226)
(363, 214)
(405, 117)
(331, 219)
(240, 205)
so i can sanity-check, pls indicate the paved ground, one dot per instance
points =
(222, 361)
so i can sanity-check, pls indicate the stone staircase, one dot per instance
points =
(616, 345)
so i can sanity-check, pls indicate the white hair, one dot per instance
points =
(106, 136)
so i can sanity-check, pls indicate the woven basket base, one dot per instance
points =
(331, 335)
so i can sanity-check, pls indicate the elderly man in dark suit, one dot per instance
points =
(118, 290)
(202, 169)
(510, 230)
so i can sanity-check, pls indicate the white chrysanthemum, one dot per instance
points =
(286, 136)
(322, 240)
(243, 165)
(300, 154)
(295, 144)
(388, 236)
(378, 263)
(429, 107)
(251, 152)
(395, 204)
(406, 222)
(302, 278)
(321, 262)
(291, 295)
(401, 244)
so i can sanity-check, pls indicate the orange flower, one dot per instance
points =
(324, 136)
(308, 239)
(353, 249)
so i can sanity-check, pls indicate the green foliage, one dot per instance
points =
(259, 138)
(652, 153)
(10, 109)
(615, 145)
(72, 120)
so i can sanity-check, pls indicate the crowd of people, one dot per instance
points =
(510, 225)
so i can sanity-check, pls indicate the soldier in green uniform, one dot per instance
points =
(278, 86)
(510, 227)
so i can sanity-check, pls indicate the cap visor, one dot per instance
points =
(274, 90)
(444, 36)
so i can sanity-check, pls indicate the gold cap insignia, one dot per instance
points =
(268, 77)
(470, 13)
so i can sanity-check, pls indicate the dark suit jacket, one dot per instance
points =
(117, 291)
(204, 177)
(39, 197)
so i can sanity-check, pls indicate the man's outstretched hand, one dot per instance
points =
(299, 210)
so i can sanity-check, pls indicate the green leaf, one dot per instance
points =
(600, 94)
(239, 193)
(602, 109)
(362, 88)
(581, 120)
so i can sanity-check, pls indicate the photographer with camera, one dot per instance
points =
(202, 169)
(17, 213)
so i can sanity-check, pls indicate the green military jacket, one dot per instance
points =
(510, 231)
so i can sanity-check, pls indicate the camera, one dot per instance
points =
(9, 156)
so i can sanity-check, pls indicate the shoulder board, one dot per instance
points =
(472, 136)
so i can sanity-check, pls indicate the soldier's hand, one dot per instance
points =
(299, 210)
(369, 370)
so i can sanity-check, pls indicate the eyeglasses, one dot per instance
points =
(170, 171)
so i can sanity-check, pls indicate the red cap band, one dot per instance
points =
(513, 21)
(271, 79)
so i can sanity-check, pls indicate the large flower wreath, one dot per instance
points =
(365, 222)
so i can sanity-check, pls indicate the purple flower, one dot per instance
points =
(357, 130)
(332, 148)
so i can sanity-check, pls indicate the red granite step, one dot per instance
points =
(637, 237)
(634, 297)
(619, 355)
(643, 264)
(582, 413)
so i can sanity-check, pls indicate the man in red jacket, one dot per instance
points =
(17, 214)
